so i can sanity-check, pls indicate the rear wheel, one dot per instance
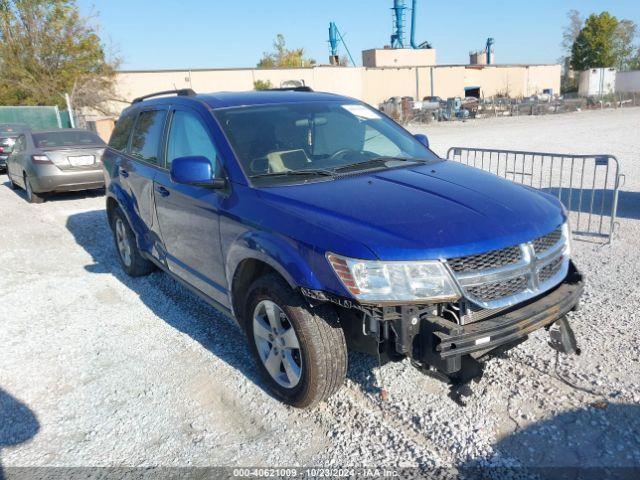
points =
(32, 197)
(300, 351)
(132, 261)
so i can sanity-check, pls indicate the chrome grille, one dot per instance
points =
(549, 270)
(488, 292)
(505, 277)
(484, 261)
(545, 242)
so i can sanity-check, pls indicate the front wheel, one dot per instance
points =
(300, 351)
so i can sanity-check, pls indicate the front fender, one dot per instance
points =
(290, 259)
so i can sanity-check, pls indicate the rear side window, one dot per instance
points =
(120, 135)
(147, 134)
(189, 138)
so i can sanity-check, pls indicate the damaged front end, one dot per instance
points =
(506, 295)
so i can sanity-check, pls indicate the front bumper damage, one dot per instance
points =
(445, 349)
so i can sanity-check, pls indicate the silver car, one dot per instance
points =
(61, 160)
(8, 134)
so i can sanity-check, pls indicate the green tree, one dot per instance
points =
(282, 57)
(624, 44)
(594, 46)
(47, 49)
(634, 62)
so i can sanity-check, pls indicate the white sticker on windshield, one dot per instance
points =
(361, 111)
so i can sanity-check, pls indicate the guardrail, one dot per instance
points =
(588, 185)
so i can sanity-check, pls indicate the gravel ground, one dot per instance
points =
(97, 369)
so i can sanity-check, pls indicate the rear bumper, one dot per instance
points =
(67, 180)
(480, 338)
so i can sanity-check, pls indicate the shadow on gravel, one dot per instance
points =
(18, 424)
(601, 441)
(166, 298)
(183, 310)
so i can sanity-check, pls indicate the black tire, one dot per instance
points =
(322, 344)
(134, 264)
(32, 197)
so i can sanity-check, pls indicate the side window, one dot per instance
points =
(188, 137)
(147, 134)
(120, 136)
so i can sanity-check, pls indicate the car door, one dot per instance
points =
(137, 170)
(188, 215)
(16, 160)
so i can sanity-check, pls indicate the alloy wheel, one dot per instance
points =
(122, 240)
(277, 344)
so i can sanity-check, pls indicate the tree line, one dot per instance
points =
(48, 49)
(602, 40)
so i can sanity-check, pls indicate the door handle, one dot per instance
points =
(124, 173)
(162, 191)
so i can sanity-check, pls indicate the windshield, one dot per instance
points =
(66, 139)
(321, 138)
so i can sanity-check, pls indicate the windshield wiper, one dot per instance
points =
(373, 161)
(290, 173)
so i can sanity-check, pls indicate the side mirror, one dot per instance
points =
(195, 171)
(422, 139)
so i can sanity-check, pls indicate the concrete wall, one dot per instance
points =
(103, 127)
(597, 81)
(372, 85)
(346, 81)
(478, 58)
(379, 84)
(628, 82)
(398, 57)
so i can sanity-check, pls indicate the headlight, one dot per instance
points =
(374, 281)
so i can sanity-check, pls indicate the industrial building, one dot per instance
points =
(370, 84)
(401, 69)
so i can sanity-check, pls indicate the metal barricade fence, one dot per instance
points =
(587, 185)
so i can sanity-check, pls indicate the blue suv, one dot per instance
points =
(320, 224)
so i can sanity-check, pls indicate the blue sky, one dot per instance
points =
(164, 34)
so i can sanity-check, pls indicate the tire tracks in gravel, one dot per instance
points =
(381, 422)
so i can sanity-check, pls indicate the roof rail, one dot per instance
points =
(291, 89)
(184, 92)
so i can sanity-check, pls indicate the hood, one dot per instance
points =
(441, 210)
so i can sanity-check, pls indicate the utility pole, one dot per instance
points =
(68, 100)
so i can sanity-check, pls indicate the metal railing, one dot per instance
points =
(587, 185)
